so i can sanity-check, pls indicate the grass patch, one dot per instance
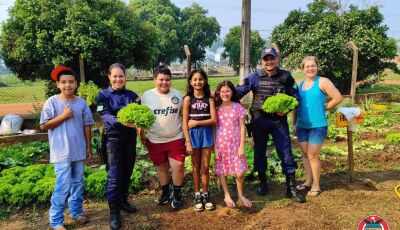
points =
(379, 88)
(179, 84)
(390, 75)
(22, 94)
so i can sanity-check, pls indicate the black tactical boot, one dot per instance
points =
(126, 206)
(292, 191)
(262, 187)
(115, 219)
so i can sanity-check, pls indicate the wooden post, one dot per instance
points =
(81, 68)
(353, 46)
(188, 61)
(350, 156)
(245, 40)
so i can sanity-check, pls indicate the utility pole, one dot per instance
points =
(245, 40)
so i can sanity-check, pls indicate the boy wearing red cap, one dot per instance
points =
(68, 120)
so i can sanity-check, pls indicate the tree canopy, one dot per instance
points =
(41, 34)
(232, 47)
(323, 32)
(165, 17)
(198, 31)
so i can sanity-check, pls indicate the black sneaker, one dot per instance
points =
(198, 203)
(207, 202)
(164, 198)
(176, 201)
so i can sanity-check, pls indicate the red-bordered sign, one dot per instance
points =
(373, 222)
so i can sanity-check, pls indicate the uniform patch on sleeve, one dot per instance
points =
(99, 108)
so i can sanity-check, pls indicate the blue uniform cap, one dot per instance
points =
(268, 51)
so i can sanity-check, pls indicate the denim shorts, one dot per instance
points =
(201, 137)
(312, 135)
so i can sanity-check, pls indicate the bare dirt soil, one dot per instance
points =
(342, 205)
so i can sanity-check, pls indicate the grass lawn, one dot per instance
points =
(390, 75)
(21, 92)
(379, 88)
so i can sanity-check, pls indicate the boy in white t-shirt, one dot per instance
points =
(164, 140)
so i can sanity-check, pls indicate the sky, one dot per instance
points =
(265, 15)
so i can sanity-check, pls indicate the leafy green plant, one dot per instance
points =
(375, 122)
(23, 154)
(95, 183)
(279, 103)
(393, 138)
(368, 103)
(88, 91)
(139, 115)
(347, 102)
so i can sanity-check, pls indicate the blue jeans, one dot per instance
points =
(69, 181)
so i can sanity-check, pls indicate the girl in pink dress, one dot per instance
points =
(230, 157)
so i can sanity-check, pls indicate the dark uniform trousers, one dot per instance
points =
(121, 154)
(278, 127)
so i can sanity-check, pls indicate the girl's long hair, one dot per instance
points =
(217, 97)
(206, 87)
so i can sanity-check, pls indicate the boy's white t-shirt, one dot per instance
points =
(168, 111)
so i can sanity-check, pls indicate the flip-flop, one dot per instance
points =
(230, 203)
(246, 202)
(314, 193)
(304, 187)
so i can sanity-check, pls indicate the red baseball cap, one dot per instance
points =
(57, 70)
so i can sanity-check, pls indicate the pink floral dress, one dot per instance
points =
(228, 141)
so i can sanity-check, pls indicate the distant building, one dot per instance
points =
(218, 55)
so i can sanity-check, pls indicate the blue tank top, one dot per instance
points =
(311, 113)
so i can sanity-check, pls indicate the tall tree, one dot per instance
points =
(323, 32)
(165, 17)
(199, 31)
(42, 33)
(232, 48)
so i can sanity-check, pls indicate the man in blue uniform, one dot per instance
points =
(264, 83)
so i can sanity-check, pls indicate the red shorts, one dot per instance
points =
(160, 152)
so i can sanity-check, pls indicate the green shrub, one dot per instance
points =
(44, 188)
(21, 194)
(95, 183)
(393, 138)
(88, 91)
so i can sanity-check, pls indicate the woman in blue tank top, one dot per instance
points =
(310, 123)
